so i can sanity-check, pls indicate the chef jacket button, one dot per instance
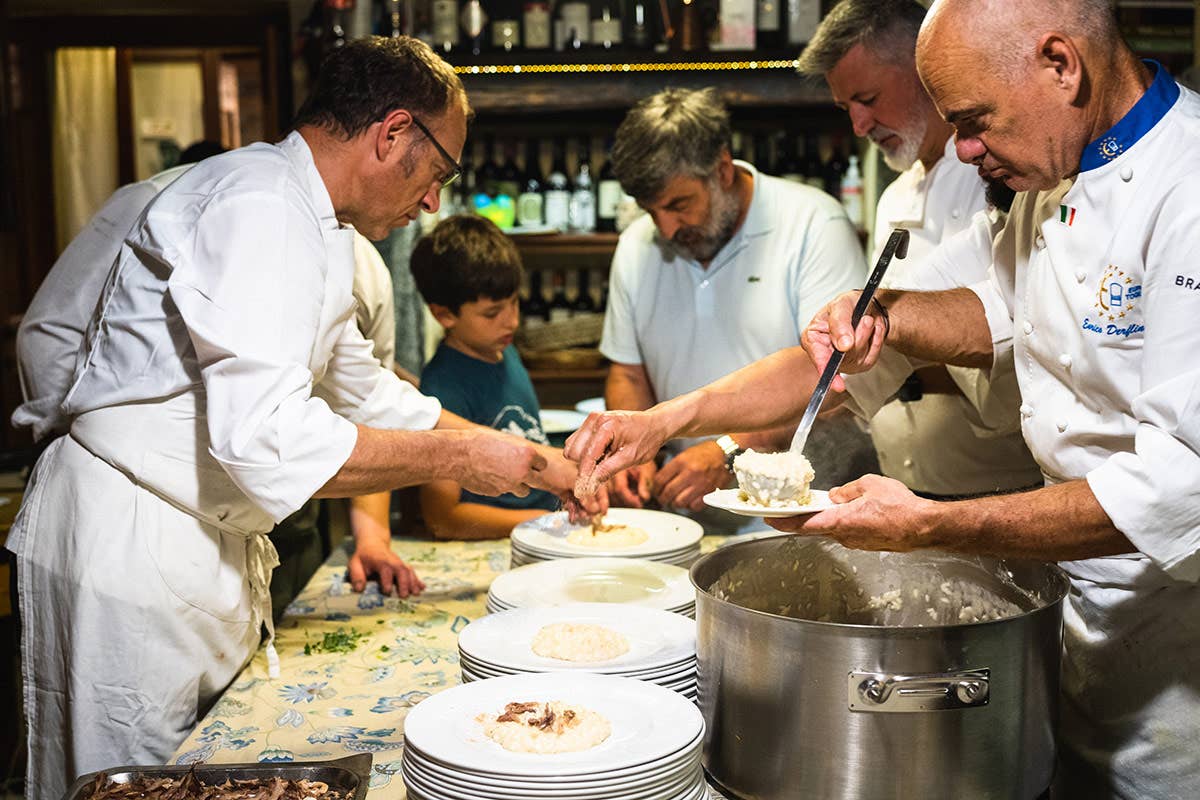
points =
(1027, 327)
(955, 214)
(1081, 276)
(908, 462)
(1026, 410)
(1065, 360)
(1040, 241)
(704, 284)
(1062, 426)
(1127, 174)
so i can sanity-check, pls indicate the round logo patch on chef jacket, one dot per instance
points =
(1117, 298)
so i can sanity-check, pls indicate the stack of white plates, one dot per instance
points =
(662, 645)
(672, 539)
(652, 752)
(631, 581)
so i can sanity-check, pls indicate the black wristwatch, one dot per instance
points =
(731, 449)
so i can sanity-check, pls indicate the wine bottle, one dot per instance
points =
(536, 19)
(608, 196)
(852, 199)
(790, 166)
(536, 311)
(530, 200)
(639, 26)
(558, 190)
(445, 24)
(582, 212)
(811, 167)
(560, 307)
(487, 176)
(509, 178)
(835, 168)
(583, 305)
(606, 29)
(803, 17)
(768, 32)
(474, 21)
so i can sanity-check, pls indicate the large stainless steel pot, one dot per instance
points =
(824, 673)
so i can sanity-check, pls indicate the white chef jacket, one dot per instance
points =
(52, 327)
(219, 388)
(1095, 293)
(942, 444)
(688, 325)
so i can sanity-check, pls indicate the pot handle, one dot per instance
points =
(939, 691)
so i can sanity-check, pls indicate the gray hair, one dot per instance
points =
(888, 28)
(672, 133)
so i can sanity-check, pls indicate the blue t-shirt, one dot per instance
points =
(499, 396)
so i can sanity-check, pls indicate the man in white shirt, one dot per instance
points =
(223, 383)
(51, 334)
(932, 437)
(727, 266)
(1094, 292)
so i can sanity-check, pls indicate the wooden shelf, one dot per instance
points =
(561, 244)
(599, 80)
(568, 375)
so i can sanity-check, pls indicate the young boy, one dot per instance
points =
(469, 273)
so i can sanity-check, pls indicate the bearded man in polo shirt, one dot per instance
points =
(727, 267)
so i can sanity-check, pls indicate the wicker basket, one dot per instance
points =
(575, 358)
(575, 332)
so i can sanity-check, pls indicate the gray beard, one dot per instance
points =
(717, 232)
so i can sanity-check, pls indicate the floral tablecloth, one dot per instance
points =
(387, 655)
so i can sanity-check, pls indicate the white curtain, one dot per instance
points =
(84, 135)
(168, 108)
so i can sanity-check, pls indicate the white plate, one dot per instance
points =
(594, 580)
(669, 535)
(590, 405)
(657, 639)
(417, 775)
(561, 420)
(728, 500)
(649, 723)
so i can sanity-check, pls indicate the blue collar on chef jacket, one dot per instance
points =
(1145, 114)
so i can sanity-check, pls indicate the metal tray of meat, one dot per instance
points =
(348, 775)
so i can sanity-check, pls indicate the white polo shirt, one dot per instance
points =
(795, 251)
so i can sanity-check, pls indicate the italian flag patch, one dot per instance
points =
(1066, 215)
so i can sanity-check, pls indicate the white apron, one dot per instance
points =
(143, 575)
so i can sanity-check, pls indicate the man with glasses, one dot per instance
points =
(728, 266)
(222, 383)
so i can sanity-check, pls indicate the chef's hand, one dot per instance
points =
(685, 479)
(633, 488)
(610, 442)
(873, 513)
(586, 509)
(559, 478)
(831, 328)
(497, 463)
(372, 557)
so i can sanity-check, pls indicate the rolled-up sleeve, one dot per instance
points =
(248, 281)
(1152, 495)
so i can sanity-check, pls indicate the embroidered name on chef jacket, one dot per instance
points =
(1187, 282)
(1117, 299)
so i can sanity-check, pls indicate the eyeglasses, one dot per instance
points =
(455, 167)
